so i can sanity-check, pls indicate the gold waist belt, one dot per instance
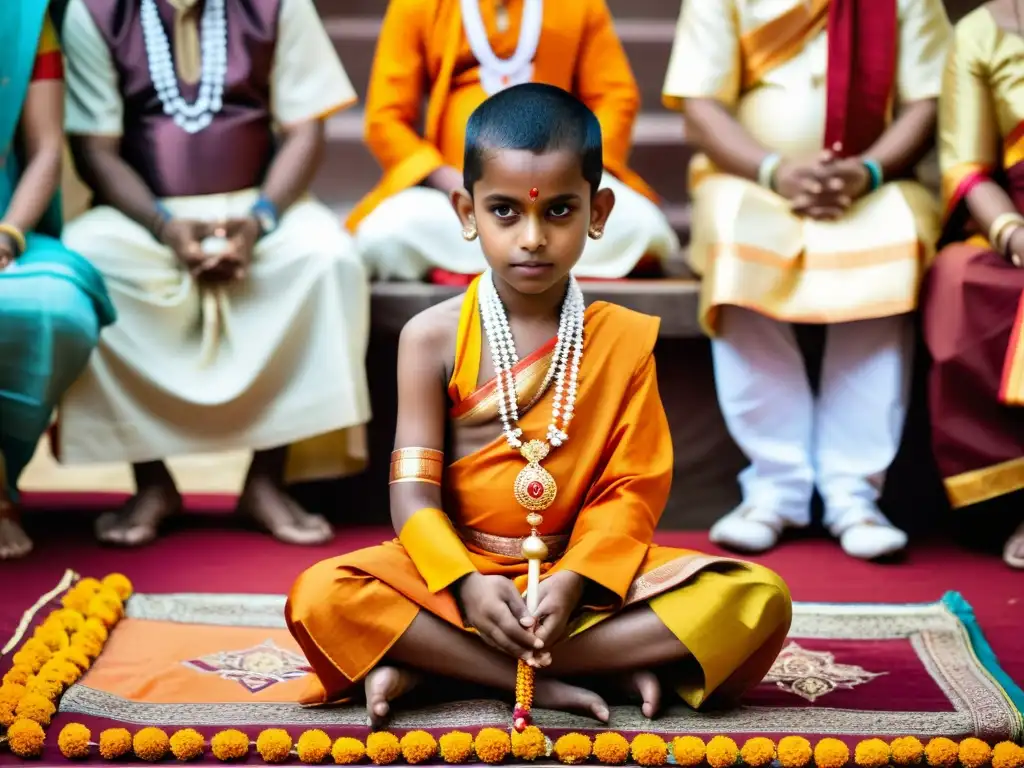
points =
(509, 546)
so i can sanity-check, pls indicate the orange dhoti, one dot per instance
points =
(613, 480)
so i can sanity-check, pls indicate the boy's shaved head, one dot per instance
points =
(537, 118)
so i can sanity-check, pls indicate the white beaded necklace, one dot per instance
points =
(194, 117)
(535, 488)
(497, 74)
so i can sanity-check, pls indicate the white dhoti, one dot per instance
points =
(841, 441)
(276, 360)
(417, 230)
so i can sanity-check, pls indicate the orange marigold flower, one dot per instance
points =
(758, 751)
(73, 741)
(25, 738)
(688, 751)
(114, 743)
(274, 745)
(151, 744)
(87, 586)
(100, 609)
(871, 753)
(187, 744)
(572, 748)
(231, 744)
(74, 656)
(417, 747)
(347, 750)
(11, 693)
(313, 746)
(89, 644)
(120, 584)
(46, 641)
(722, 752)
(492, 745)
(648, 749)
(1006, 754)
(29, 658)
(71, 621)
(383, 747)
(907, 750)
(941, 752)
(6, 714)
(974, 753)
(48, 689)
(17, 675)
(61, 671)
(76, 600)
(455, 747)
(831, 753)
(96, 629)
(530, 744)
(35, 707)
(611, 748)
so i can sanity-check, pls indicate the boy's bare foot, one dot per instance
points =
(14, 542)
(647, 687)
(1013, 552)
(138, 521)
(382, 686)
(274, 510)
(554, 694)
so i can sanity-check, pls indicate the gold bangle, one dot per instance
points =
(15, 234)
(416, 465)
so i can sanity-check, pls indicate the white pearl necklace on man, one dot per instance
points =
(194, 117)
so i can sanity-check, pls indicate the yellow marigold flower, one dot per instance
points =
(25, 738)
(974, 753)
(871, 753)
(29, 658)
(17, 675)
(87, 586)
(274, 745)
(347, 750)
(383, 748)
(96, 629)
(89, 645)
(572, 748)
(530, 744)
(35, 707)
(941, 752)
(231, 744)
(1006, 754)
(46, 642)
(114, 743)
(648, 749)
(187, 744)
(758, 752)
(75, 656)
(831, 753)
(907, 750)
(76, 600)
(611, 748)
(61, 671)
(72, 621)
(313, 746)
(151, 744)
(492, 745)
(48, 689)
(120, 584)
(11, 693)
(417, 747)
(688, 751)
(6, 714)
(73, 741)
(794, 751)
(100, 609)
(455, 747)
(722, 752)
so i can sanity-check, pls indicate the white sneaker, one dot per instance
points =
(748, 529)
(867, 534)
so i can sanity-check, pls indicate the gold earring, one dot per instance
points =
(469, 235)
(596, 233)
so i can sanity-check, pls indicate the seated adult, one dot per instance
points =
(812, 116)
(243, 304)
(972, 298)
(52, 302)
(453, 55)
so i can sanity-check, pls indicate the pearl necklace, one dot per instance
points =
(194, 117)
(535, 488)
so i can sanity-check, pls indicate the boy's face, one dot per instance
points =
(533, 213)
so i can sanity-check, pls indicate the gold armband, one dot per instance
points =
(416, 465)
(435, 548)
(15, 234)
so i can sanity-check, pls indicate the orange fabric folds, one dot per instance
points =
(435, 548)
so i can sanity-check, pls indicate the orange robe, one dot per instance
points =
(613, 479)
(423, 53)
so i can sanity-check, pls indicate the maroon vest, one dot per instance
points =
(230, 154)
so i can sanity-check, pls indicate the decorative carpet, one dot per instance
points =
(204, 644)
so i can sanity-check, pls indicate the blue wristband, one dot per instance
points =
(265, 213)
(874, 171)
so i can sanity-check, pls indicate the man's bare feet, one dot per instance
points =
(14, 542)
(554, 694)
(645, 685)
(382, 686)
(138, 521)
(1013, 552)
(272, 509)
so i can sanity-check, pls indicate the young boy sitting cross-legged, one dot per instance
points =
(515, 368)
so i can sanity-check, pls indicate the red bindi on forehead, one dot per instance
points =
(534, 193)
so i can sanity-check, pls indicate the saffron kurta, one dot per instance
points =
(768, 63)
(613, 476)
(423, 54)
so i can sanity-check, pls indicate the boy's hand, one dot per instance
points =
(560, 593)
(494, 607)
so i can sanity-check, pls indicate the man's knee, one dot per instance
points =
(777, 606)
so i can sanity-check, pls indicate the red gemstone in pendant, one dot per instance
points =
(535, 490)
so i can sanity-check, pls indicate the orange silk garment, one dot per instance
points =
(613, 476)
(423, 56)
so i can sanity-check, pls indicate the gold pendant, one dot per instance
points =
(535, 488)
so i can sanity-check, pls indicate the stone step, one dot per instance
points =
(648, 44)
(647, 9)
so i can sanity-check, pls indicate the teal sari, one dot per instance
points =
(53, 302)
